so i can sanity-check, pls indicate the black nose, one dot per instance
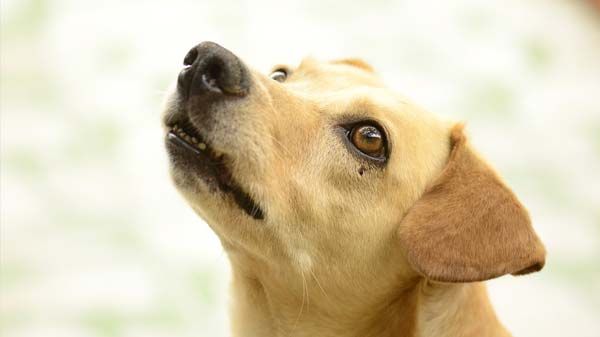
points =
(210, 68)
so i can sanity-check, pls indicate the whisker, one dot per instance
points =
(319, 285)
(304, 294)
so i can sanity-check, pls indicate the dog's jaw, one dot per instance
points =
(191, 155)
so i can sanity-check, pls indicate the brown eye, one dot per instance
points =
(369, 140)
(279, 75)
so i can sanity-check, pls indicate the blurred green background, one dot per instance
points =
(96, 242)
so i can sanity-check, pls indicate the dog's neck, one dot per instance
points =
(276, 302)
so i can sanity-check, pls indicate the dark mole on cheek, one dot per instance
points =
(361, 170)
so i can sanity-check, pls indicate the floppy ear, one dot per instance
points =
(469, 226)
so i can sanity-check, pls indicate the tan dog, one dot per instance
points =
(345, 209)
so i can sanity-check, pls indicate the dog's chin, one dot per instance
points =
(194, 163)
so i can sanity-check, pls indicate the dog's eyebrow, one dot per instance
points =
(355, 62)
(284, 67)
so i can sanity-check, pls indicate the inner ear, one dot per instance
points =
(468, 225)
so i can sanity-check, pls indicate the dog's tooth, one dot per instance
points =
(202, 146)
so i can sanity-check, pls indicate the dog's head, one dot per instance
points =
(323, 164)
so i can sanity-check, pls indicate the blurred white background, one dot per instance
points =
(95, 240)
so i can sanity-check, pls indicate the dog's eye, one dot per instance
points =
(279, 75)
(369, 140)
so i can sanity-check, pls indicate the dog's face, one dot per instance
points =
(322, 164)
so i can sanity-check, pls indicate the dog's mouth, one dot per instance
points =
(184, 141)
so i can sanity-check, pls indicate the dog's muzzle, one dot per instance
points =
(212, 75)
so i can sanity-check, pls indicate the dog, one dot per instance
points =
(344, 208)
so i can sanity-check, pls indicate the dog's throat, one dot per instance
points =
(213, 166)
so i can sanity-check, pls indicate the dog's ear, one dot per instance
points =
(469, 226)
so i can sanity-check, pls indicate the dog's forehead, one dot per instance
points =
(363, 101)
(337, 74)
(348, 89)
(341, 86)
(346, 66)
(355, 62)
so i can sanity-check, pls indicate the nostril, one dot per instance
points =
(213, 75)
(191, 56)
(211, 83)
(214, 69)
